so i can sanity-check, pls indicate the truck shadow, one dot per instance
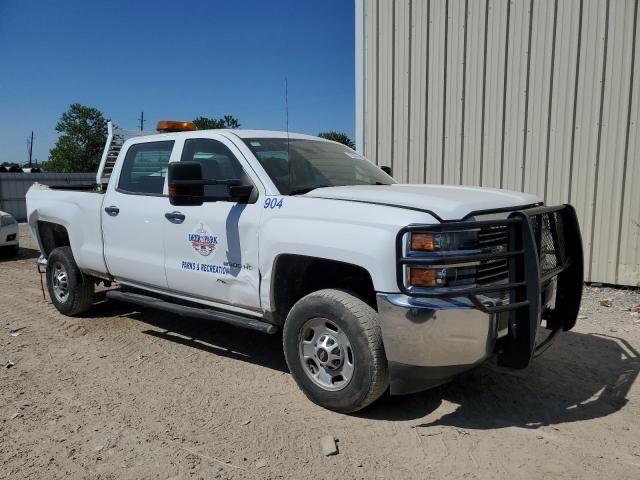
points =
(23, 254)
(582, 376)
(208, 336)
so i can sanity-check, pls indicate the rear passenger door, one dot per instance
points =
(133, 215)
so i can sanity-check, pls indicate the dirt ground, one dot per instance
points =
(130, 393)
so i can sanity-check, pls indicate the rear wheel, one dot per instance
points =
(71, 292)
(333, 346)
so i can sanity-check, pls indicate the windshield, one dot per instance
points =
(298, 166)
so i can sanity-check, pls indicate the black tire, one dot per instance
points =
(80, 288)
(359, 322)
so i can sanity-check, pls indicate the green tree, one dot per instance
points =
(338, 137)
(82, 140)
(205, 123)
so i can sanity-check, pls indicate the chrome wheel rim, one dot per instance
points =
(325, 354)
(60, 280)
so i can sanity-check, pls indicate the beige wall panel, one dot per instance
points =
(494, 93)
(385, 83)
(418, 88)
(401, 94)
(534, 95)
(453, 100)
(371, 74)
(436, 67)
(629, 224)
(516, 97)
(539, 99)
(588, 118)
(474, 93)
(611, 157)
(558, 168)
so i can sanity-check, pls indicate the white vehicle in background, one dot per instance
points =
(373, 283)
(9, 242)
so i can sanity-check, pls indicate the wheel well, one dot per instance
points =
(295, 276)
(52, 236)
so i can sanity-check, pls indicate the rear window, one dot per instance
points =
(145, 168)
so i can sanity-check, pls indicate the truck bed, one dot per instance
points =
(79, 210)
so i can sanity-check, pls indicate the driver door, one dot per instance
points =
(211, 250)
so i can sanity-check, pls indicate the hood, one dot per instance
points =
(445, 201)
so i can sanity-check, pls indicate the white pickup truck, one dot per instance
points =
(373, 283)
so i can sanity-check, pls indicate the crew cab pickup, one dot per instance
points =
(374, 284)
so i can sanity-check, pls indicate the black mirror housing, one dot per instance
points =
(186, 186)
(386, 170)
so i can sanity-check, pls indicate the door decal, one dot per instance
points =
(202, 241)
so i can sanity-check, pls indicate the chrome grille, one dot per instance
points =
(493, 239)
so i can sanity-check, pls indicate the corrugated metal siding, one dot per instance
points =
(533, 95)
(14, 186)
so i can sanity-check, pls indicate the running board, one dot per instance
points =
(183, 311)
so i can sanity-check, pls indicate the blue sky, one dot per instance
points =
(174, 60)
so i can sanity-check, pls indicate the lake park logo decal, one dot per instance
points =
(202, 241)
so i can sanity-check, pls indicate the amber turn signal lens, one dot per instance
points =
(423, 277)
(422, 241)
(167, 126)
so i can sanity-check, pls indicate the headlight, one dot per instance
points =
(435, 242)
(453, 257)
(455, 275)
(6, 220)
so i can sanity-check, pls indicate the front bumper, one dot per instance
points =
(429, 341)
(9, 235)
(430, 335)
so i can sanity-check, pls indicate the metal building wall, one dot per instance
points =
(533, 95)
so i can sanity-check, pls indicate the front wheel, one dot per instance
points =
(334, 350)
(71, 292)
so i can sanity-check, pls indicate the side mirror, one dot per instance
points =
(386, 170)
(186, 186)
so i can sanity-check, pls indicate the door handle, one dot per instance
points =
(112, 210)
(175, 217)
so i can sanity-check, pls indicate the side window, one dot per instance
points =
(218, 163)
(145, 168)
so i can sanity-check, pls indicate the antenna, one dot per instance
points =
(286, 107)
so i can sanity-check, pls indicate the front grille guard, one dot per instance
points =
(526, 279)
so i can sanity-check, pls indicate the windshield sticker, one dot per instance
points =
(272, 202)
(202, 241)
(255, 144)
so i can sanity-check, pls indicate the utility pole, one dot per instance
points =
(30, 148)
(142, 120)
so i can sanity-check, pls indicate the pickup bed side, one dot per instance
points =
(79, 213)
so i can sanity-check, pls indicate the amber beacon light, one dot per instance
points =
(168, 126)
